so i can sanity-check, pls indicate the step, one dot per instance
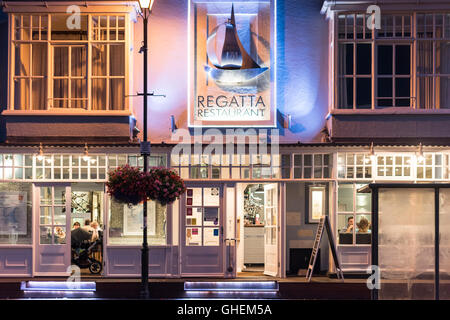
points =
(53, 286)
(232, 286)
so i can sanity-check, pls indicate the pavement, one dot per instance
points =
(291, 288)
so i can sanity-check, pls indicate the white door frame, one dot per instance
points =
(36, 228)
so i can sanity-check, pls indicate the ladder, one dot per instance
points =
(324, 222)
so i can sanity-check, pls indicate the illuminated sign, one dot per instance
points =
(230, 64)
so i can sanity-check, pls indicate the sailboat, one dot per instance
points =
(233, 64)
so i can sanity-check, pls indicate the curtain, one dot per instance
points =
(39, 85)
(98, 94)
(443, 68)
(117, 69)
(60, 69)
(78, 89)
(345, 89)
(424, 74)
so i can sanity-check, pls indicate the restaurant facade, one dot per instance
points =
(273, 112)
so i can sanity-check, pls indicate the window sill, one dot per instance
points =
(77, 112)
(394, 110)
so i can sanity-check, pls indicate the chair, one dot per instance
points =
(345, 238)
(363, 238)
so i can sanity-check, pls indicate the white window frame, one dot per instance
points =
(49, 74)
(409, 35)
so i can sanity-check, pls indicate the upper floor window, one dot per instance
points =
(375, 68)
(58, 67)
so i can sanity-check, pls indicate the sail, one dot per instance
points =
(233, 54)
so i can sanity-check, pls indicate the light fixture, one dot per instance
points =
(86, 156)
(260, 189)
(146, 4)
(372, 153)
(420, 156)
(41, 152)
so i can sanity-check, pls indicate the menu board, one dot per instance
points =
(133, 219)
(194, 197)
(211, 216)
(193, 216)
(211, 237)
(212, 197)
(193, 236)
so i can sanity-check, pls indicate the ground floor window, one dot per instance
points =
(125, 223)
(354, 215)
(15, 213)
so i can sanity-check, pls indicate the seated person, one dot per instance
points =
(87, 226)
(363, 226)
(349, 227)
(78, 236)
(96, 231)
(60, 235)
(75, 225)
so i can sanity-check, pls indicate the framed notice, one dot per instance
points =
(316, 203)
(232, 57)
(13, 212)
(133, 219)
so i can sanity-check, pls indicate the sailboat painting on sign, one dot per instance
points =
(231, 62)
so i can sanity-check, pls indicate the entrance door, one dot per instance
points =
(271, 256)
(202, 241)
(52, 229)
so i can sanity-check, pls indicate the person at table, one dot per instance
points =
(78, 235)
(349, 227)
(363, 226)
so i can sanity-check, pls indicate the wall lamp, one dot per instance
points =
(41, 152)
(86, 156)
(420, 156)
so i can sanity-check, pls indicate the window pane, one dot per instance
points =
(402, 60)
(60, 88)
(39, 94)
(61, 61)
(117, 60)
(364, 59)
(425, 92)
(345, 198)
(21, 94)
(363, 201)
(346, 59)
(22, 60)
(363, 93)
(363, 229)
(443, 57)
(384, 87)
(346, 93)
(39, 61)
(443, 92)
(126, 224)
(385, 59)
(78, 60)
(424, 57)
(99, 60)
(116, 94)
(345, 228)
(402, 87)
(99, 94)
(61, 31)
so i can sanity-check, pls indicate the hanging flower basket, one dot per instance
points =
(131, 186)
(164, 185)
(127, 185)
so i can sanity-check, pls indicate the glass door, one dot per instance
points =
(271, 234)
(202, 232)
(53, 229)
